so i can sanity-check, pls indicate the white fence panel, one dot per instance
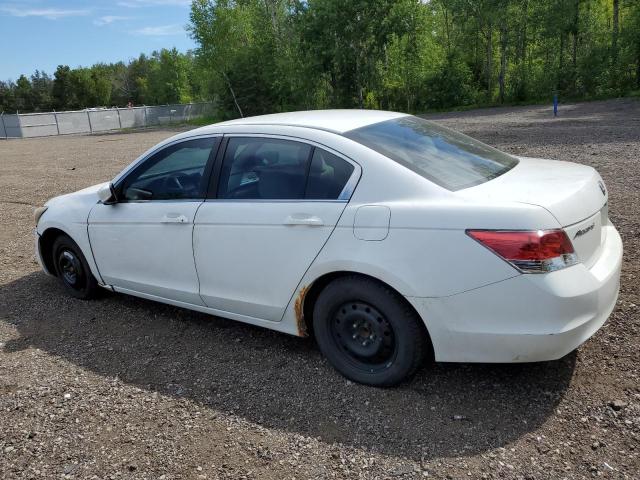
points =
(12, 126)
(159, 115)
(132, 117)
(97, 120)
(38, 125)
(73, 122)
(3, 131)
(103, 120)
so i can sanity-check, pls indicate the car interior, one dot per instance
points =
(253, 168)
(263, 170)
(259, 169)
(176, 174)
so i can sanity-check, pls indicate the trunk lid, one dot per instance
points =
(574, 194)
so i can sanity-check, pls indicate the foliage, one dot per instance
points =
(260, 56)
(264, 56)
(166, 76)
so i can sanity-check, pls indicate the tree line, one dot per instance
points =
(413, 55)
(259, 56)
(166, 76)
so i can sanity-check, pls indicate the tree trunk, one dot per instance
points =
(521, 52)
(359, 86)
(561, 64)
(638, 65)
(503, 59)
(489, 66)
(615, 31)
(574, 54)
(475, 48)
(447, 30)
(233, 94)
(271, 8)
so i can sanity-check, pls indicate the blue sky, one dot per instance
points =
(42, 34)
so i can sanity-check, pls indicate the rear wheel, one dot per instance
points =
(72, 268)
(368, 332)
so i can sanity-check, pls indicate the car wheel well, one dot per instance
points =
(46, 248)
(321, 283)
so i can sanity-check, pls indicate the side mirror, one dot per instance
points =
(107, 194)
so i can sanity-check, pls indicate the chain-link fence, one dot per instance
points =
(98, 120)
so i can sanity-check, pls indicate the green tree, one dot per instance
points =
(172, 77)
(62, 91)
(24, 94)
(259, 56)
(41, 86)
(7, 97)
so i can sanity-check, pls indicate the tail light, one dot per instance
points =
(535, 251)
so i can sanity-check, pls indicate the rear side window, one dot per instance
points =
(328, 176)
(264, 168)
(445, 157)
(274, 169)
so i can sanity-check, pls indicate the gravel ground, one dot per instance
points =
(126, 388)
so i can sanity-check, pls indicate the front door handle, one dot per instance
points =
(304, 219)
(174, 218)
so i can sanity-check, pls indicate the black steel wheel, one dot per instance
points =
(365, 335)
(368, 332)
(72, 268)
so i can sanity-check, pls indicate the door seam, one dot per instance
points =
(293, 294)
(95, 261)
(193, 252)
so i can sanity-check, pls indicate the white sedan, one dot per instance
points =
(388, 237)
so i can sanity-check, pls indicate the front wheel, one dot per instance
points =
(72, 268)
(368, 332)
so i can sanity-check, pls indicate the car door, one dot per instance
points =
(276, 202)
(143, 242)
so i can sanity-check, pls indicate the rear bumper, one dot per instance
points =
(527, 318)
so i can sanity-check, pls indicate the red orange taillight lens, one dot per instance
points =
(530, 251)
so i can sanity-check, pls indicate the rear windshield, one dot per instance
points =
(447, 158)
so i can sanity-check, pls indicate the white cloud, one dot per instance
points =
(109, 19)
(150, 3)
(49, 13)
(161, 31)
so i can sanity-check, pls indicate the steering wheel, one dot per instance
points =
(174, 182)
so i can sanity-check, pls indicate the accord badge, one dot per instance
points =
(579, 233)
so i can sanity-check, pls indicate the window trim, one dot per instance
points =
(121, 180)
(345, 194)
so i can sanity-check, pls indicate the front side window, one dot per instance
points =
(174, 173)
(447, 158)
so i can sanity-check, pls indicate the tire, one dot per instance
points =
(368, 332)
(72, 269)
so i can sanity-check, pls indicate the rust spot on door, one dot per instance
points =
(298, 307)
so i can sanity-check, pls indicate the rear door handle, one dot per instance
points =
(303, 219)
(174, 218)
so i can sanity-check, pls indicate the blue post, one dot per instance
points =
(555, 104)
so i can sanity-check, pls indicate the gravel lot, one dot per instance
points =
(126, 388)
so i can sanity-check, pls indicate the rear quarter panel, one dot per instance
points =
(427, 252)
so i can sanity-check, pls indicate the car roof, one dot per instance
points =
(336, 121)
